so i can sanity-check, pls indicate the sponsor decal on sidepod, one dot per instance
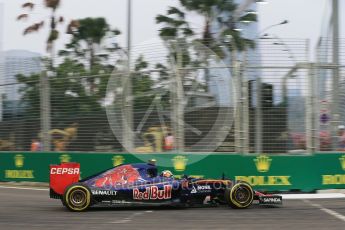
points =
(104, 192)
(201, 189)
(153, 193)
(204, 187)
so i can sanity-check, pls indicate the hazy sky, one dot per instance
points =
(305, 19)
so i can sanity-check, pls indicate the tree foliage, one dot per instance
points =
(88, 47)
(142, 84)
(88, 52)
(67, 88)
(88, 41)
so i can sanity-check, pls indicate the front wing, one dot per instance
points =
(268, 199)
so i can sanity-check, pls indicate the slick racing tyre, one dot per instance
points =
(240, 195)
(77, 197)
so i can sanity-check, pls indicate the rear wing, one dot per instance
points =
(62, 176)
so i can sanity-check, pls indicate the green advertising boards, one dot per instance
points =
(264, 172)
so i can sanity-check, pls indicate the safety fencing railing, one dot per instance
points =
(179, 97)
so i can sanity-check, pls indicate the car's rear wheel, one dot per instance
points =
(77, 197)
(240, 195)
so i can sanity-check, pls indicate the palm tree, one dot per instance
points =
(225, 13)
(175, 25)
(52, 5)
(206, 9)
(176, 30)
(175, 33)
(229, 21)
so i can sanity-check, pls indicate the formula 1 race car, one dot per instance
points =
(140, 184)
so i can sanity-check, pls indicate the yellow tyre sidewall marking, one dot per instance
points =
(234, 201)
(88, 197)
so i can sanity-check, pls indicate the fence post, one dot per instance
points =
(127, 119)
(45, 110)
(311, 111)
(335, 78)
(238, 108)
(258, 117)
(180, 101)
(245, 105)
(316, 109)
(177, 94)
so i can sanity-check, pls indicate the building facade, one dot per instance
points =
(17, 62)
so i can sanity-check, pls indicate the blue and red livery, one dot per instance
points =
(140, 184)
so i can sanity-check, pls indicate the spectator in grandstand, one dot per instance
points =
(325, 140)
(169, 142)
(299, 140)
(341, 138)
(35, 145)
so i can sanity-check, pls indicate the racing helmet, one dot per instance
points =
(167, 173)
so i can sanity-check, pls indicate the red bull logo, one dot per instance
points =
(153, 193)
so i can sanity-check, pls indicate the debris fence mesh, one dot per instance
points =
(175, 97)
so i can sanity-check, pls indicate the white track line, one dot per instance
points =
(313, 196)
(129, 218)
(25, 188)
(326, 210)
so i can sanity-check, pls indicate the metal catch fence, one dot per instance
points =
(175, 96)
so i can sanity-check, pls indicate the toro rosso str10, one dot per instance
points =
(140, 184)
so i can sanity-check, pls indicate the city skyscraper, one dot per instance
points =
(17, 62)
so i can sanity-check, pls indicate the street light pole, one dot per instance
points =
(274, 25)
(291, 56)
(129, 26)
(335, 82)
(2, 58)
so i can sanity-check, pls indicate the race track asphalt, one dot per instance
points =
(32, 209)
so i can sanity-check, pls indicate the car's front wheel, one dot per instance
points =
(240, 195)
(77, 197)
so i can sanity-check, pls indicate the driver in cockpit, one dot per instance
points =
(167, 174)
